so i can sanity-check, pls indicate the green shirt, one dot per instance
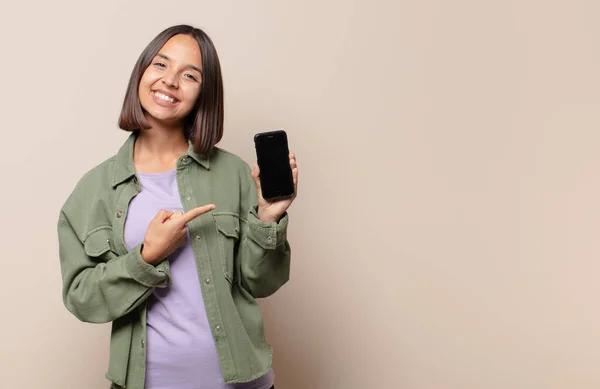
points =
(239, 259)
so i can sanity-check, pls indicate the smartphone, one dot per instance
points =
(272, 157)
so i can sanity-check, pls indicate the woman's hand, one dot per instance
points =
(272, 211)
(167, 232)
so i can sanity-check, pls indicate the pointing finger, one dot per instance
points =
(194, 213)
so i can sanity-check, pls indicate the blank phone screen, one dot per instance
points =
(273, 160)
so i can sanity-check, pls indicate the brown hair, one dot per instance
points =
(204, 125)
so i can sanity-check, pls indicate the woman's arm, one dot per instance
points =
(97, 290)
(264, 252)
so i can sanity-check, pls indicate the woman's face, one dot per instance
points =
(171, 84)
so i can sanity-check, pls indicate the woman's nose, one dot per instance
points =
(170, 80)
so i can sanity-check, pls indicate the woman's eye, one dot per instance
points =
(191, 77)
(159, 64)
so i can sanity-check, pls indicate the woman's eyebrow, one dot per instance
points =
(163, 56)
(190, 66)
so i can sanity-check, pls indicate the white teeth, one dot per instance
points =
(164, 97)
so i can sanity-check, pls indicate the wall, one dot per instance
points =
(445, 235)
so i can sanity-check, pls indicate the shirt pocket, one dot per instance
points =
(228, 235)
(98, 244)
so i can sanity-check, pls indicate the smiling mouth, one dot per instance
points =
(165, 97)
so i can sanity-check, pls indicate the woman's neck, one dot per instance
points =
(157, 149)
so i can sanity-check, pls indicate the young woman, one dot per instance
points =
(170, 239)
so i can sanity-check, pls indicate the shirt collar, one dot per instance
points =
(125, 168)
(202, 159)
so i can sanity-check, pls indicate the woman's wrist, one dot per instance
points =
(148, 258)
(266, 218)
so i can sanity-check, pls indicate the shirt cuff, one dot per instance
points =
(267, 235)
(145, 273)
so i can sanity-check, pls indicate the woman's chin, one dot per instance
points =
(163, 119)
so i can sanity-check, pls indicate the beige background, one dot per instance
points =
(446, 233)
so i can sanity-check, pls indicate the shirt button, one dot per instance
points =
(269, 239)
(184, 160)
(188, 198)
(218, 328)
(143, 343)
(197, 237)
(207, 281)
(119, 213)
